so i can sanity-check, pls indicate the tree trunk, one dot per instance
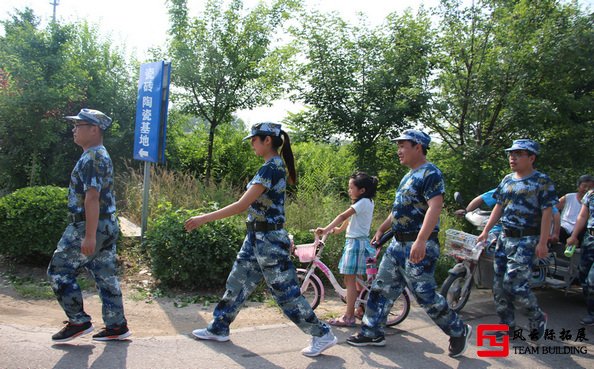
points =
(211, 133)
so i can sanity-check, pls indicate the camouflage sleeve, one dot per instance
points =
(548, 195)
(433, 184)
(498, 195)
(264, 177)
(587, 197)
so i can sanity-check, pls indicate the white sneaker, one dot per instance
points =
(204, 334)
(319, 344)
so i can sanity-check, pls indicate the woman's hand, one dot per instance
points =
(195, 222)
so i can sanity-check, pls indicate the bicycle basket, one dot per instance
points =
(306, 252)
(463, 245)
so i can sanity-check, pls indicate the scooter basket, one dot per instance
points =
(462, 245)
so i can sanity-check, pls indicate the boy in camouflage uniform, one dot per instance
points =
(586, 268)
(89, 240)
(412, 255)
(265, 252)
(525, 200)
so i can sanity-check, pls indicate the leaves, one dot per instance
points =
(32, 220)
(360, 82)
(199, 259)
(224, 60)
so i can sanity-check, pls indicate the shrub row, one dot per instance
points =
(32, 220)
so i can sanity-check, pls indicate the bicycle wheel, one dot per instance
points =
(399, 310)
(453, 291)
(540, 269)
(313, 290)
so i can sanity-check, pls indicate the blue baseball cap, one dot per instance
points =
(414, 136)
(94, 117)
(264, 129)
(525, 144)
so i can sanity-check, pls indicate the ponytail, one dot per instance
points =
(284, 143)
(288, 157)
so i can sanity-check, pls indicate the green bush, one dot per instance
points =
(196, 260)
(32, 220)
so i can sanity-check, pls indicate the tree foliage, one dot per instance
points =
(233, 163)
(361, 82)
(225, 60)
(506, 70)
(47, 74)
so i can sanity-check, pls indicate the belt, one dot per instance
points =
(263, 226)
(80, 217)
(510, 232)
(411, 236)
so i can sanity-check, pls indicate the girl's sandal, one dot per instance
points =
(343, 321)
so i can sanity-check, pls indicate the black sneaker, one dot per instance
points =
(537, 329)
(458, 344)
(360, 340)
(113, 334)
(71, 331)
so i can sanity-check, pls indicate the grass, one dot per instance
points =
(182, 190)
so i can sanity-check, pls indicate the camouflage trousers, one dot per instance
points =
(68, 260)
(395, 272)
(511, 281)
(586, 271)
(265, 255)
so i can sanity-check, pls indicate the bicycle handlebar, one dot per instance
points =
(383, 239)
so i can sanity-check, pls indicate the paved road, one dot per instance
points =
(416, 343)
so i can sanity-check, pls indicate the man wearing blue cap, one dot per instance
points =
(412, 255)
(525, 200)
(89, 240)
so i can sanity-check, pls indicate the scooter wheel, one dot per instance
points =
(454, 292)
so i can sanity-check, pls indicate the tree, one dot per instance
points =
(36, 90)
(507, 69)
(47, 74)
(225, 60)
(361, 82)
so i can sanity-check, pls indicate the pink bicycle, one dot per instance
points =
(312, 287)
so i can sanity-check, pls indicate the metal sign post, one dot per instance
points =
(151, 123)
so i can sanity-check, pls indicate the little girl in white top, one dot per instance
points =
(357, 248)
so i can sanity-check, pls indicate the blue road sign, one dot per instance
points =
(151, 112)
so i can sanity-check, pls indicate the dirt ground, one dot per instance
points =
(146, 318)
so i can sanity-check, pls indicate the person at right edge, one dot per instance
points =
(586, 267)
(412, 256)
(525, 200)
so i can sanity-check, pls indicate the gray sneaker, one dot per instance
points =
(319, 344)
(204, 334)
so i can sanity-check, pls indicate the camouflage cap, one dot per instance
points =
(525, 144)
(264, 129)
(91, 116)
(414, 135)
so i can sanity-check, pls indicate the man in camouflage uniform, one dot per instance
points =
(525, 200)
(89, 241)
(586, 268)
(412, 255)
